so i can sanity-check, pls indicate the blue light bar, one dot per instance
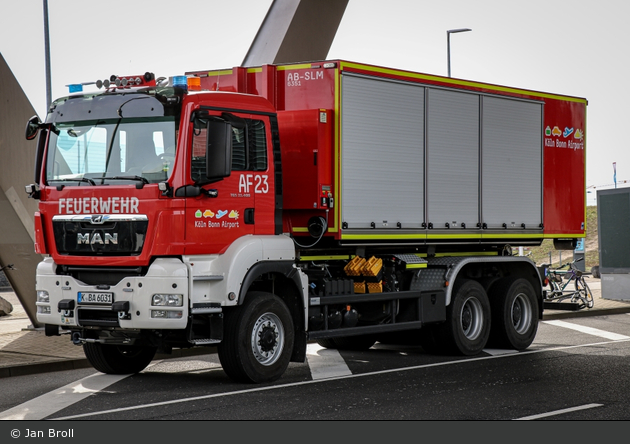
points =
(181, 82)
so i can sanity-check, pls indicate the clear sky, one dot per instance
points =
(572, 47)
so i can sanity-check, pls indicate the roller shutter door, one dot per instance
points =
(382, 153)
(453, 159)
(511, 163)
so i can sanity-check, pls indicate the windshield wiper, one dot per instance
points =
(142, 180)
(78, 179)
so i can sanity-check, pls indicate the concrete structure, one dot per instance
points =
(17, 164)
(296, 31)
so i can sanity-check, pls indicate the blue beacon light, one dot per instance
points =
(181, 82)
(77, 87)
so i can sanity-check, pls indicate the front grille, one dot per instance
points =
(100, 275)
(100, 235)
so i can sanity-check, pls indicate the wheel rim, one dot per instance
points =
(471, 318)
(267, 339)
(521, 313)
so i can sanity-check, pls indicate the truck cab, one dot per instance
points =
(146, 194)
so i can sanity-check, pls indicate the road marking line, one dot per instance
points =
(325, 363)
(317, 381)
(498, 352)
(589, 330)
(559, 412)
(52, 402)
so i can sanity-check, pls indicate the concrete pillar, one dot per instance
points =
(296, 31)
(17, 163)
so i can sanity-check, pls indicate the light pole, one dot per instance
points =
(448, 44)
(47, 55)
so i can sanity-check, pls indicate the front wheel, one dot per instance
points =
(514, 313)
(118, 359)
(258, 339)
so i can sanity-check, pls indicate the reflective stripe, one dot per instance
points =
(293, 67)
(225, 72)
(452, 81)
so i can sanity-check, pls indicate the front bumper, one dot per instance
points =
(131, 307)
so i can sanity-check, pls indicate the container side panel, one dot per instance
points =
(382, 160)
(511, 163)
(453, 159)
(565, 163)
(303, 87)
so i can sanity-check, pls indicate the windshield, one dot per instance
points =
(111, 151)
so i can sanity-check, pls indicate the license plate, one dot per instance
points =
(95, 298)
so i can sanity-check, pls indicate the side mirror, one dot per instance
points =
(218, 150)
(32, 127)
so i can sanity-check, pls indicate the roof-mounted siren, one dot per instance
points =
(114, 81)
(148, 79)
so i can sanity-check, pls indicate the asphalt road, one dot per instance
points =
(575, 370)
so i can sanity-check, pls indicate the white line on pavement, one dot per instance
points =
(559, 412)
(325, 363)
(589, 330)
(52, 402)
(497, 352)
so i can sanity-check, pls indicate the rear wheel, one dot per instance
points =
(467, 326)
(258, 339)
(118, 359)
(514, 313)
(586, 296)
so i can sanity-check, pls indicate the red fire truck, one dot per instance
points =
(259, 208)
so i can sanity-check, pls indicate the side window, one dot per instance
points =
(198, 160)
(249, 148)
(239, 149)
(257, 145)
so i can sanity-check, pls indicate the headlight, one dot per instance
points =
(43, 296)
(43, 309)
(168, 300)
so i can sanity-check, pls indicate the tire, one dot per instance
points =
(585, 292)
(327, 343)
(118, 359)
(514, 314)
(357, 343)
(467, 326)
(258, 339)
